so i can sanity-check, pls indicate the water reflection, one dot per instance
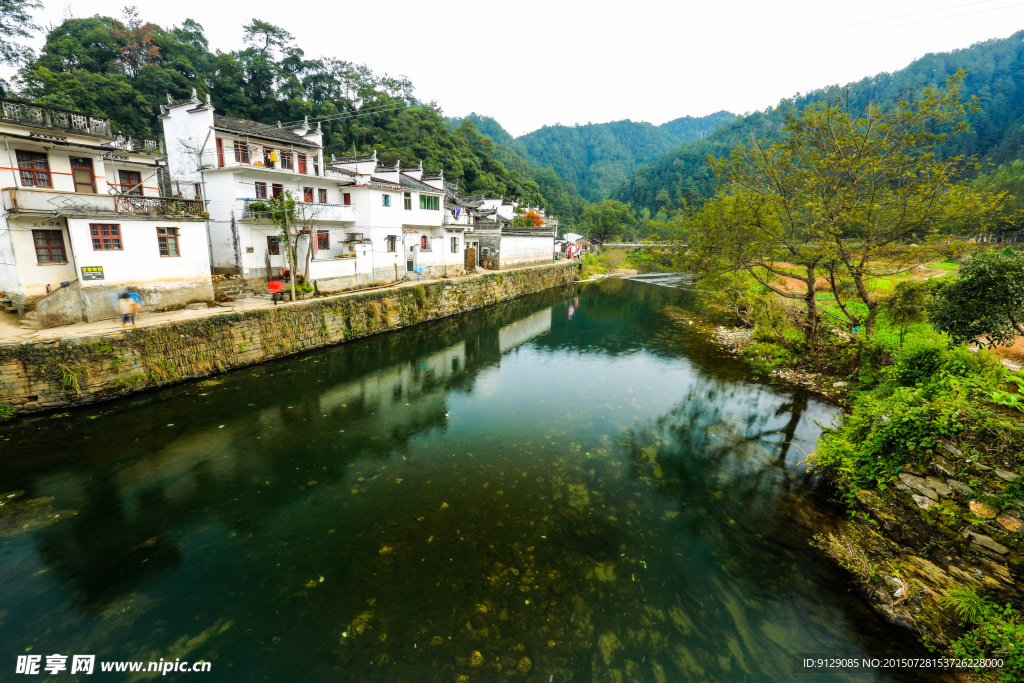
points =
(516, 493)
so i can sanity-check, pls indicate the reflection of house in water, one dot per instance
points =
(309, 418)
(522, 331)
(402, 398)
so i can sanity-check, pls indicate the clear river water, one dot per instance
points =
(572, 486)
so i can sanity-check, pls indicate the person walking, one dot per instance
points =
(127, 308)
(276, 288)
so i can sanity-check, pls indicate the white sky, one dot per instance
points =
(534, 62)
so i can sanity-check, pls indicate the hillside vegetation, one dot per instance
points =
(597, 158)
(994, 76)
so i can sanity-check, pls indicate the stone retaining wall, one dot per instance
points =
(50, 375)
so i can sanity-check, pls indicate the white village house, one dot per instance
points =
(402, 208)
(358, 223)
(88, 214)
(491, 236)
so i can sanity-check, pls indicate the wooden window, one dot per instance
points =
(168, 240)
(261, 190)
(408, 201)
(321, 195)
(241, 152)
(455, 245)
(130, 182)
(220, 152)
(49, 246)
(81, 173)
(286, 160)
(277, 190)
(302, 163)
(347, 198)
(34, 169)
(428, 202)
(323, 239)
(197, 189)
(105, 237)
(424, 243)
(273, 245)
(385, 199)
(307, 195)
(392, 242)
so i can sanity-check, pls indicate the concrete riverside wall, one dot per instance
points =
(62, 306)
(49, 375)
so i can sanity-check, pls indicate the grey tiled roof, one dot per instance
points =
(432, 176)
(382, 181)
(259, 130)
(410, 183)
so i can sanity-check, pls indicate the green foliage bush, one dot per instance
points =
(7, 412)
(918, 363)
(997, 633)
(930, 393)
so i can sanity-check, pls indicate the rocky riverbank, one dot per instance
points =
(947, 523)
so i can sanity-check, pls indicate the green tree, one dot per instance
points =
(854, 192)
(15, 22)
(986, 300)
(906, 305)
(601, 222)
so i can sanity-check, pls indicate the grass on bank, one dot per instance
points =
(911, 404)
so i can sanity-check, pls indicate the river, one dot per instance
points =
(573, 486)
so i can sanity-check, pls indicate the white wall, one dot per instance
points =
(516, 250)
(32, 277)
(139, 261)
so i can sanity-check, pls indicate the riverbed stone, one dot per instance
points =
(960, 487)
(609, 645)
(939, 487)
(987, 542)
(982, 510)
(952, 450)
(1007, 476)
(1010, 520)
(919, 485)
(923, 502)
(943, 466)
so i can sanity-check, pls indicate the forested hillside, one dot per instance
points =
(995, 76)
(563, 199)
(599, 157)
(125, 69)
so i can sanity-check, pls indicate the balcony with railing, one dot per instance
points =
(39, 116)
(56, 203)
(139, 144)
(256, 209)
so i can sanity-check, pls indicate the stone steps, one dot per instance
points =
(30, 322)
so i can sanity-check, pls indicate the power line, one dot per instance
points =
(362, 112)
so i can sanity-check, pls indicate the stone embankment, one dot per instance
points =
(47, 375)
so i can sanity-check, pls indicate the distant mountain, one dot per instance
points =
(995, 76)
(597, 158)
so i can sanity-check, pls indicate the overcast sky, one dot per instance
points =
(534, 62)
